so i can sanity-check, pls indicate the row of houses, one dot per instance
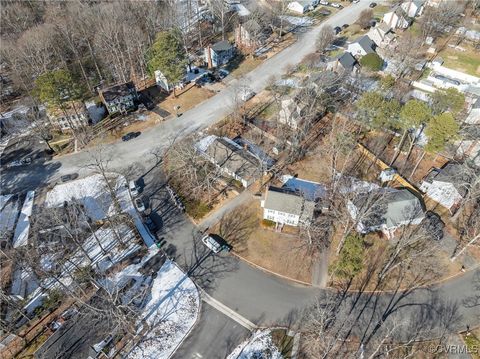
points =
(119, 98)
(375, 209)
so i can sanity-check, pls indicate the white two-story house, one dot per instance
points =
(284, 206)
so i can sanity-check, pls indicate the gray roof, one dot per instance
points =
(121, 90)
(288, 201)
(453, 173)
(229, 155)
(389, 207)
(367, 44)
(346, 60)
(223, 45)
(418, 3)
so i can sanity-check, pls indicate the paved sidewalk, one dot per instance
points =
(320, 271)
(216, 216)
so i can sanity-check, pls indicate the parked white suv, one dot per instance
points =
(246, 94)
(212, 243)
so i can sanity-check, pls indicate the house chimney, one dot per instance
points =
(209, 57)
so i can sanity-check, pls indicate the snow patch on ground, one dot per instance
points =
(92, 191)
(170, 311)
(20, 237)
(96, 113)
(260, 345)
(297, 20)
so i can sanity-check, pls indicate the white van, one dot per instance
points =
(132, 186)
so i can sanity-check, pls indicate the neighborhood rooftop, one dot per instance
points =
(120, 90)
(227, 154)
(390, 207)
(288, 201)
(223, 45)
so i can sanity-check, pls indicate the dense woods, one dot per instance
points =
(97, 42)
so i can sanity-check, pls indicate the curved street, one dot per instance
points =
(260, 297)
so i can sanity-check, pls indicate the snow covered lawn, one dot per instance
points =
(92, 191)
(297, 20)
(260, 345)
(170, 312)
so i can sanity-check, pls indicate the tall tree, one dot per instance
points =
(325, 38)
(365, 18)
(167, 54)
(441, 130)
(415, 113)
(57, 87)
(449, 99)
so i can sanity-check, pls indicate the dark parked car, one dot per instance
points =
(433, 225)
(150, 224)
(373, 4)
(130, 135)
(337, 30)
(69, 177)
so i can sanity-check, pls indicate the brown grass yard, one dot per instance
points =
(186, 100)
(465, 61)
(281, 253)
(243, 66)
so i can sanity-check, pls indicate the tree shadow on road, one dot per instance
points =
(204, 267)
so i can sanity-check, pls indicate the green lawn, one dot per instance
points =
(468, 61)
(473, 343)
(380, 10)
(415, 29)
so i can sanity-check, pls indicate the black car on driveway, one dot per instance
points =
(130, 135)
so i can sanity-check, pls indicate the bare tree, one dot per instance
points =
(436, 19)
(223, 14)
(325, 38)
(365, 18)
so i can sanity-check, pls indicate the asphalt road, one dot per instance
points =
(124, 154)
(261, 298)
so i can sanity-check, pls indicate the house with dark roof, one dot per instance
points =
(382, 35)
(119, 98)
(286, 206)
(232, 159)
(362, 46)
(397, 18)
(219, 53)
(343, 63)
(385, 210)
(447, 185)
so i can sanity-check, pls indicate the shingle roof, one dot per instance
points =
(347, 60)
(111, 93)
(227, 154)
(366, 43)
(389, 207)
(223, 45)
(285, 200)
(453, 173)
